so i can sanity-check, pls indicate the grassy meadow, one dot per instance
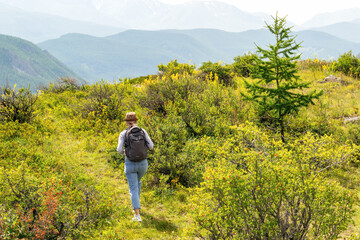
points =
(61, 177)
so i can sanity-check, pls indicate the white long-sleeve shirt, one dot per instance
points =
(120, 147)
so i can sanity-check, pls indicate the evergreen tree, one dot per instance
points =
(276, 89)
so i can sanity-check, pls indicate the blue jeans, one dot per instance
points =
(134, 171)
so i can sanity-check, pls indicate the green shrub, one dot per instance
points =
(348, 64)
(151, 95)
(209, 112)
(169, 136)
(105, 101)
(215, 71)
(64, 84)
(101, 107)
(205, 107)
(175, 68)
(155, 93)
(17, 105)
(243, 65)
(177, 159)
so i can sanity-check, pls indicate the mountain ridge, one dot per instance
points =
(25, 64)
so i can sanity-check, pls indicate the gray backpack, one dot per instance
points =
(135, 144)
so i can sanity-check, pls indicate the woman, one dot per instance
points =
(134, 170)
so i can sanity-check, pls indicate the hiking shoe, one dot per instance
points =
(136, 218)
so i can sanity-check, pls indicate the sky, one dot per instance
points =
(296, 11)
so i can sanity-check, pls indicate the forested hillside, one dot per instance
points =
(265, 148)
(24, 64)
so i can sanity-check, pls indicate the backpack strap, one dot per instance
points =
(126, 137)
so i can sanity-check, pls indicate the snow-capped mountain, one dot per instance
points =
(37, 27)
(147, 14)
(38, 17)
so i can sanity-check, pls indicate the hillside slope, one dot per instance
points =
(24, 64)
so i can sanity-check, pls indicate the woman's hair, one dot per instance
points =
(131, 123)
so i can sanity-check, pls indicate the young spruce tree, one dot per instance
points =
(277, 85)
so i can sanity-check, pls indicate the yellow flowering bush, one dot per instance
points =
(263, 189)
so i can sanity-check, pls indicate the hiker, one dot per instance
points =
(134, 143)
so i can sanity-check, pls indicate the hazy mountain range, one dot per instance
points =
(97, 38)
(137, 52)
